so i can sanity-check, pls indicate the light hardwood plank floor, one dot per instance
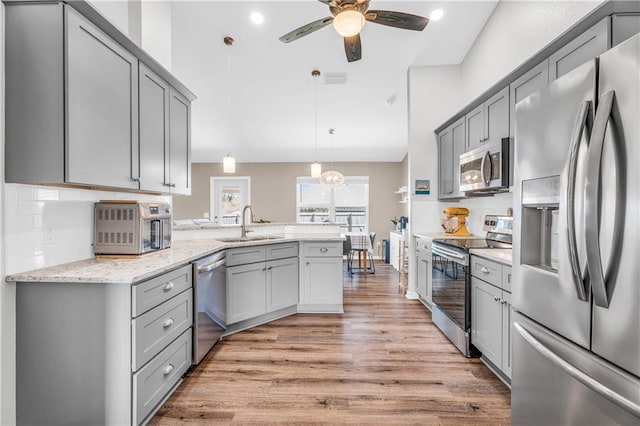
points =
(383, 361)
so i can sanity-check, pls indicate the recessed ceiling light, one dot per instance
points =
(257, 18)
(436, 15)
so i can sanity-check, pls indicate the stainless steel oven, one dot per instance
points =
(486, 169)
(451, 310)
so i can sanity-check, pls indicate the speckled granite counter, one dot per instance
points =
(504, 256)
(133, 270)
(189, 225)
(434, 235)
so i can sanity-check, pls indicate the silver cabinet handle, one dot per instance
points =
(484, 270)
(135, 179)
(168, 369)
(579, 279)
(269, 268)
(503, 302)
(166, 184)
(173, 185)
(167, 323)
(307, 263)
(592, 201)
(169, 286)
(324, 249)
(496, 299)
(577, 374)
(509, 278)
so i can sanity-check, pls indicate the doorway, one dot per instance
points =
(228, 196)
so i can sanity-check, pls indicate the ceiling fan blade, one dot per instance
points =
(402, 20)
(306, 29)
(353, 48)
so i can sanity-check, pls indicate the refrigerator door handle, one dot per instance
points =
(577, 374)
(592, 200)
(579, 279)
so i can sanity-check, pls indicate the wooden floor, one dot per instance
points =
(383, 361)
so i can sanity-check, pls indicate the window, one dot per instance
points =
(347, 205)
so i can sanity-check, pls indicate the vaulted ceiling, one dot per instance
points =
(256, 99)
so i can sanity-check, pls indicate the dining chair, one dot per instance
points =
(358, 244)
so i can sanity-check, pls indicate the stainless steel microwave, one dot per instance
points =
(122, 227)
(486, 169)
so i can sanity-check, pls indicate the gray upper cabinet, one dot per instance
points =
(451, 143)
(83, 109)
(101, 107)
(475, 127)
(586, 46)
(180, 145)
(154, 130)
(623, 26)
(488, 122)
(534, 80)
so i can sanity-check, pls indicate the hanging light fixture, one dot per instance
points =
(228, 162)
(316, 168)
(332, 177)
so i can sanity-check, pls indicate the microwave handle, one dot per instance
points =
(485, 166)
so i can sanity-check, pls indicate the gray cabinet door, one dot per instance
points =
(458, 137)
(282, 283)
(101, 107)
(475, 127)
(154, 130)
(445, 164)
(322, 281)
(246, 292)
(180, 144)
(623, 26)
(593, 42)
(496, 115)
(506, 334)
(486, 320)
(529, 83)
(423, 266)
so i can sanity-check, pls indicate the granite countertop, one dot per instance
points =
(504, 256)
(188, 225)
(434, 235)
(129, 271)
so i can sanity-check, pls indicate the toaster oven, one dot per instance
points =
(132, 228)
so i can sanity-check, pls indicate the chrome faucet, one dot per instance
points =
(244, 225)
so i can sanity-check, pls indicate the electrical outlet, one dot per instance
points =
(49, 234)
(205, 215)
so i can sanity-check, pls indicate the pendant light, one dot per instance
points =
(316, 168)
(332, 178)
(228, 162)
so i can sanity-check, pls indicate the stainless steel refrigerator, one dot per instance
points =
(576, 248)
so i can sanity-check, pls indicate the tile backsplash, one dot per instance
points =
(47, 226)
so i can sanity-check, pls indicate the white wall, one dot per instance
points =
(156, 30)
(515, 32)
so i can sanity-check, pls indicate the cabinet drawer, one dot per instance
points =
(423, 244)
(486, 270)
(154, 330)
(152, 383)
(151, 293)
(244, 255)
(282, 251)
(323, 248)
(506, 278)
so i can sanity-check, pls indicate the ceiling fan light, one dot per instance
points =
(228, 164)
(332, 178)
(316, 170)
(349, 23)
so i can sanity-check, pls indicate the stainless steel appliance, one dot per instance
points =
(451, 280)
(576, 332)
(486, 169)
(122, 227)
(210, 301)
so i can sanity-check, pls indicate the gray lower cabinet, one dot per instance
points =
(261, 280)
(423, 269)
(82, 109)
(88, 353)
(321, 277)
(583, 48)
(491, 313)
(451, 143)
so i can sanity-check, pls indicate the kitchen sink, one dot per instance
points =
(251, 238)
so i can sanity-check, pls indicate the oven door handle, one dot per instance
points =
(448, 254)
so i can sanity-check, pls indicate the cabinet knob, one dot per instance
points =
(307, 263)
(496, 299)
(484, 270)
(173, 185)
(168, 369)
(504, 302)
(135, 179)
(166, 184)
(269, 268)
(324, 249)
(169, 286)
(167, 323)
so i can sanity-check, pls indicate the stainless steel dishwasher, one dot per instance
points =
(210, 303)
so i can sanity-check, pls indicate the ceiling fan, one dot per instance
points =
(349, 16)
